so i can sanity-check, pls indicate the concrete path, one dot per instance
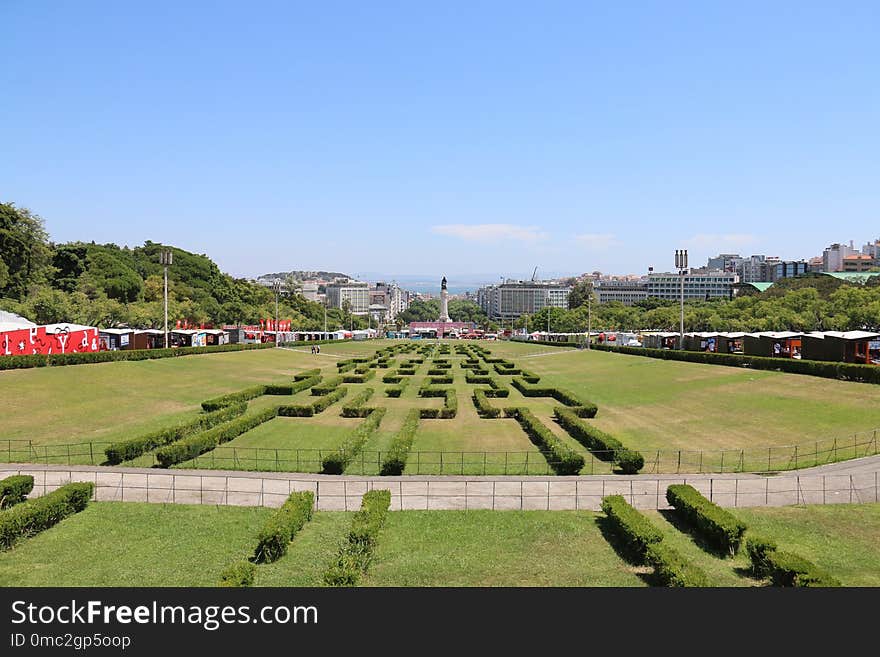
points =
(850, 481)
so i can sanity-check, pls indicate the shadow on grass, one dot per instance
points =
(624, 551)
(685, 527)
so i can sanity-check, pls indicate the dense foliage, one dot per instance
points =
(108, 285)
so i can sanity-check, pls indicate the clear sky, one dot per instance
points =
(468, 138)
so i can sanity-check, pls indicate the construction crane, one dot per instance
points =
(534, 273)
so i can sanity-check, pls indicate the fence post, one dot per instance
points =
(795, 457)
(712, 482)
(91, 455)
(766, 492)
(441, 465)
(678, 467)
(722, 460)
(768, 458)
(701, 460)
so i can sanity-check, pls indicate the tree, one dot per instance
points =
(24, 251)
(579, 293)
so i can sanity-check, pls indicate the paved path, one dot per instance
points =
(851, 481)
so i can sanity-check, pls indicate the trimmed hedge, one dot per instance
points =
(484, 408)
(307, 374)
(336, 462)
(828, 370)
(291, 389)
(671, 569)
(247, 394)
(788, 569)
(759, 548)
(530, 377)
(392, 378)
(125, 450)
(637, 532)
(33, 516)
(600, 444)
(355, 406)
(506, 370)
(359, 377)
(718, 526)
(356, 553)
(14, 490)
(239, 573)
(327, 386)
(193, 446)
(560, 457)
(282, 526)
(562, 396)
(398, 451)
(56, 360)
(440, 380)
(450, 403)
(397, 391)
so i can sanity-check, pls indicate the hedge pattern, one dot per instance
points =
(307, 374)
(282, 526)
(718, 526)
(193, 446)
(336, 462)
(317, 406)
(784, 568)
(633, 527)
(355, 555)
(394, 462)
(560, 457)
(327, 386)
(125, 450)
(450, 403)
(671, 569)
(14, 490)
(603, 446)
(247, 394)
(355, 406)
(562, 396)
(56, 360)
(36, 515)
(484, 408)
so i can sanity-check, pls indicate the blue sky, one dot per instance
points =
(465, 138)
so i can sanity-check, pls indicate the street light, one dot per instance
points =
(165, 259)
(276, 285)
(681, 263)
(589, 313)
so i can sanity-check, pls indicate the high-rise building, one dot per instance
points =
(725, 262)
(511, 299)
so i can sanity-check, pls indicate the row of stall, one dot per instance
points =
(837, 346)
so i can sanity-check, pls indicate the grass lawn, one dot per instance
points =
(135, 544)
(840, 538)
(658, 407)
(496, 548)
(138, 544)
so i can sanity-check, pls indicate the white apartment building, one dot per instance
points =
(511, 299)
(627, 292)
(708, 285)
(357, 294)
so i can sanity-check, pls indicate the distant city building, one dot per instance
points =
(708, 285)
(858, 262)
(512, 299)
(725, 262)
(787, 269)
(815, 264)
(356, 293)
(626, 291)
(832, 257)
(310, 290)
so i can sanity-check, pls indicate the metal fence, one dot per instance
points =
(556, 493)
(664, 461)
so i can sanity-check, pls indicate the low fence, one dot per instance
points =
(666, 461)
(344, 494)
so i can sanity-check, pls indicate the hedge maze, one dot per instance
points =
(403, 379)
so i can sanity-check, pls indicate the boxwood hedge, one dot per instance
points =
(282, 526)
(336, 462)
(356, 553)
(718, 526)
(14, 490)
(36, 515)
(560, 457)
(239, 573)
(394, 462)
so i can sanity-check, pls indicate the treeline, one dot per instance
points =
(109, 285)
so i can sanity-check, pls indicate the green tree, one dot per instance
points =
(24, 251)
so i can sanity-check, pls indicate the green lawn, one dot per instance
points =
(841, 538)
(496, 548)
(135, 544)
(138, 544)
(703, 417)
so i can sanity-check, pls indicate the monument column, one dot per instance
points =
(444, 302)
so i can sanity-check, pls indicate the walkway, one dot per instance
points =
(850, 481)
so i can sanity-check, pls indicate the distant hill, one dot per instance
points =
(301, 275)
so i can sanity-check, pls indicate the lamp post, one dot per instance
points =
(276, 285)
(165, 259)
(589, 314)
(681, 263)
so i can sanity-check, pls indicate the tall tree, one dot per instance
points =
(24, 251)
